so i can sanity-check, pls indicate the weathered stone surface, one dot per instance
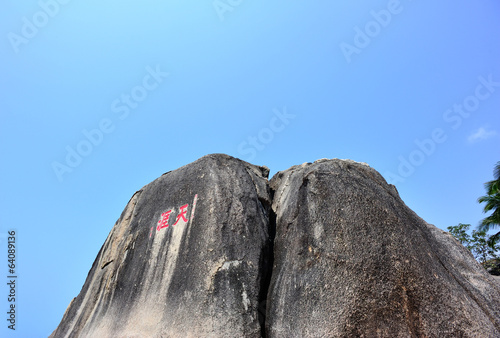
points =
(200, 278)
(352, 260)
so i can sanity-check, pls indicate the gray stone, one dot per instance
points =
(200, 278)
(348, 259)
(352, 260)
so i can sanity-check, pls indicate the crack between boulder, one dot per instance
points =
(266, 267)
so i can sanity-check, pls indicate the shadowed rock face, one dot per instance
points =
(350, 259)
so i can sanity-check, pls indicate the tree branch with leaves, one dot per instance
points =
(477, 242)
(492, 200)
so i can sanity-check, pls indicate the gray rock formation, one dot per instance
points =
(350, 259)
(199, 276)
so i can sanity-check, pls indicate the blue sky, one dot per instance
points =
(98, 99)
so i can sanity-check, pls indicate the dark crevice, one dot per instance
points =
(266, 267)
(106, 264)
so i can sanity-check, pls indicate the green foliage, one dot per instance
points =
(479, 243)
(460, 232)
(492, 200)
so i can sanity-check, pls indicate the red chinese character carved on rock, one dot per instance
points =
(182, 214)
(163, 222)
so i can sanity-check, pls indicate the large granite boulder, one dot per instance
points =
(185, 259)
(352, 260)
(329, 244)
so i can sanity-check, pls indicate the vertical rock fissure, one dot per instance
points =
(266, 268)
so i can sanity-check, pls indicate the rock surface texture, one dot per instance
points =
(200, 277)
(330, 245)
(352, 260)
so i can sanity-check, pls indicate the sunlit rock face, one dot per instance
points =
(327, 247)
(184, 259)
(352, 260)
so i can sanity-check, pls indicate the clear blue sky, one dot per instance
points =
(410, 87)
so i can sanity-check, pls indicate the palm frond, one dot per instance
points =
(490, 222)
(492, 200)
(496, 171)
(492, 187)
(495, 237)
